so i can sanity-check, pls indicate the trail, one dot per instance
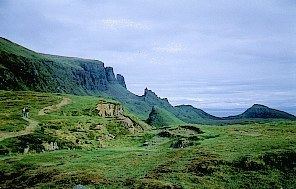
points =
(54, 107)
(33, 123)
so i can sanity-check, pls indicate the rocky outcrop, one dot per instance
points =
(121, 80)
(92, 76)
(115, 110)
(149, 94)
(108, 109)
(110, 75)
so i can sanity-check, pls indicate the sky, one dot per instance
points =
(222, 56)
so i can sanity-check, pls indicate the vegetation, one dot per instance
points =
(250, 155)
(159, 117)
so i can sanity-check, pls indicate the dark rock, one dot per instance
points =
(121, 80)
(149, 94)
(165, 134)
(110, 75)
(193, 128)
(92, 76)
(146, 143)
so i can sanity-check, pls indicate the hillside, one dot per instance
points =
(190, 114)
(22, 69)
(73, 122)
(72, 141)
(159, 117)
(258, 111)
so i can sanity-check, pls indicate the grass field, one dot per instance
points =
(251, 155)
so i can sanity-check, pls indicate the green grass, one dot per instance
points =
(12, 103)
(249, 155)
(160, 118)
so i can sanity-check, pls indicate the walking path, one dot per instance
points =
(33, 123)
(55, 107)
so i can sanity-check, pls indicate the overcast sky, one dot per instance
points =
(222, 54)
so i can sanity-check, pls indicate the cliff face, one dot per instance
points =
(110, 75)
(121, 80)
(92, 76)
(23, 69)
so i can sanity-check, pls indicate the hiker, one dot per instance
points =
(26, 111)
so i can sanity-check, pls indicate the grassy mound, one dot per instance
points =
(159, 117)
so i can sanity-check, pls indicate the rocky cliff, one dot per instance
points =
(108, 109)
(115, 110)
(23, 69)
(121, 80)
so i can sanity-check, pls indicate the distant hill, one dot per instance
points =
(258, 111)
(191, 114)
(159, 117)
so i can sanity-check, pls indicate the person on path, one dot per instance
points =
(27, 112)
(24, 112)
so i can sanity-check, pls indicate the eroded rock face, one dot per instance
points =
(110, 75)
(92, 76)
(114, 110)
(107, 109)
(121, 80)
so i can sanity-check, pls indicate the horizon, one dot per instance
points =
(222, 59)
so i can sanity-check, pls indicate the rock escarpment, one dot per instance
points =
(121, 80)
(110, 75)
(92, 76)
(108, 109)
(115, 110)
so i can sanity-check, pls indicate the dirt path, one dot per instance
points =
(55, 107)
(29, 129)
(33, 123)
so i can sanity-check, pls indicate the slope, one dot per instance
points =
(159, 117)
(258, 111)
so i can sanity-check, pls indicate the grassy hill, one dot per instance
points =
(159, 117)
(70, 121)
(261, 111)
(100, 152)
(190, 114)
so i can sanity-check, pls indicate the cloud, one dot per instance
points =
(172, 47)
(124, 24)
